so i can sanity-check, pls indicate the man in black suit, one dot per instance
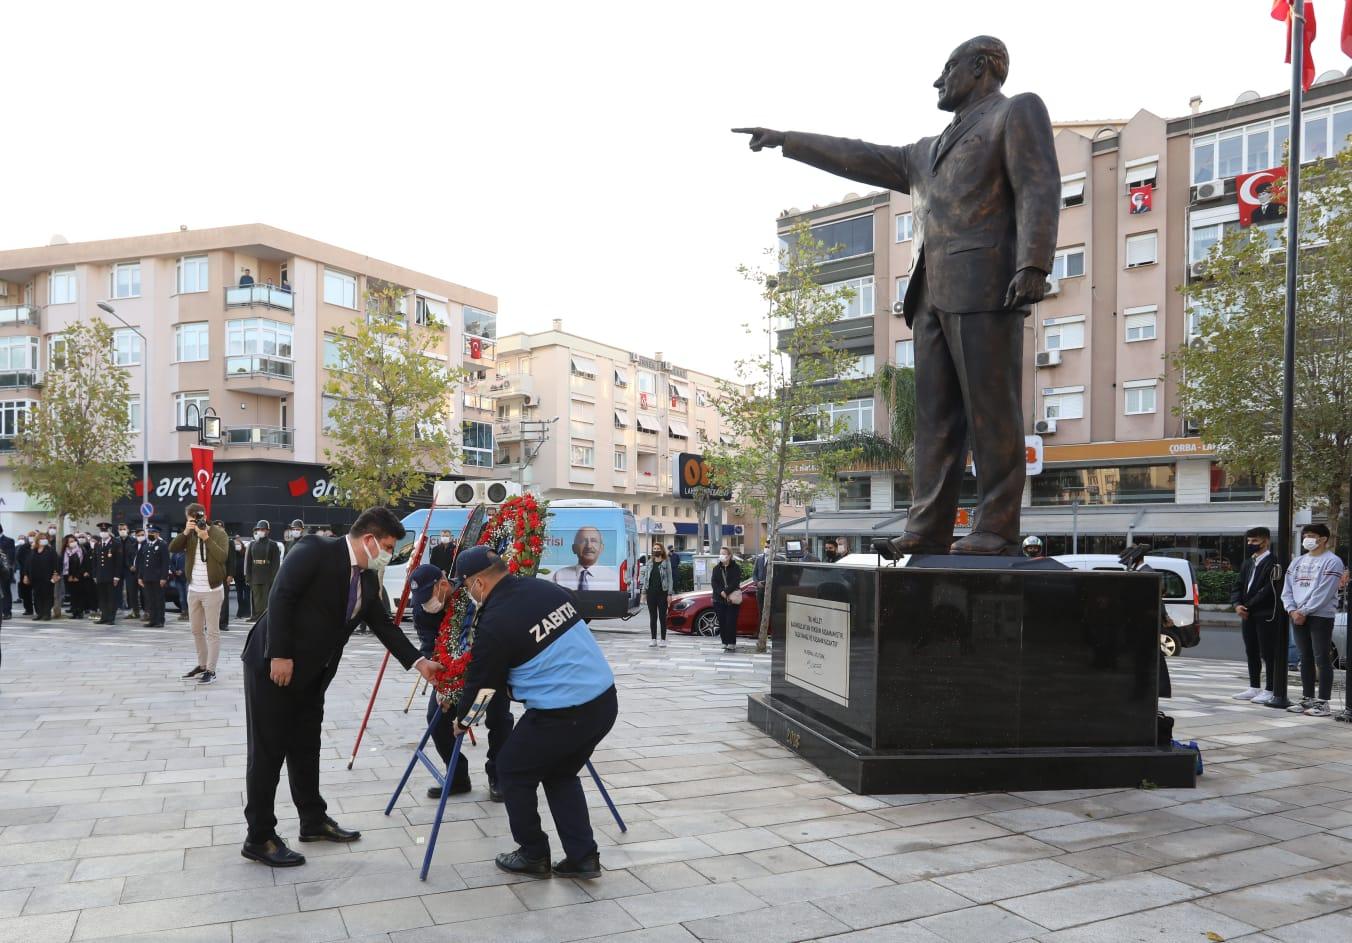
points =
(325, 587)
(986, 199)
(152, 575)
(443, 552)
(1255, 599)
(106, 568)
(6, 591)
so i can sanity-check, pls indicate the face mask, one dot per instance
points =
(472, 598)
(445, 540)
(725, 558)
(122, 533)
(51, 532)
(433, 605)
(140, 538)
(259, 534)
(1255, 549)
(42, 543)
(1309, 543)
(380, 558)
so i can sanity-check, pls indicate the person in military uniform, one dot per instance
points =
(106, 566)
(294, 533)
(261, 563)
(128, 591)
(152, 575)
(533, 642)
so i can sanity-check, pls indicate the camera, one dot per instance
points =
(200, 520)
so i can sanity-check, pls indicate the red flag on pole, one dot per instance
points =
(203, 470)
(1281, 10)
(476, 348)
(1347, 27)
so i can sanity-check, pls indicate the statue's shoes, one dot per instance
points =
(984, 544)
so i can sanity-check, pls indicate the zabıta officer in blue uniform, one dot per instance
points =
(532, 641)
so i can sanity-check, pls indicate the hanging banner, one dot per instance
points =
(1141, 199)
(203, 469)
(1259, 201)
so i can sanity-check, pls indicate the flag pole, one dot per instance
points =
(1285, 484)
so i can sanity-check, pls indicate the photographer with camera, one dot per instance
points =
(206, 550)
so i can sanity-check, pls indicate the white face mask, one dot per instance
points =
(433, 605)
(445, 539)
(122, 533)
(42, 543)
(140, 538)
(725, 558)
(260, 534)
(380, 558)
(1309, 543)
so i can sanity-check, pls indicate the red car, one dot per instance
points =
(693, 613)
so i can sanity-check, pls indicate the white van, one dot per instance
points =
(1181, 599)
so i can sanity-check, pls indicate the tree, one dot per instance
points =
(72, 450)
(895, 451)
(391, 398)
(1231, 372)
(788, 446)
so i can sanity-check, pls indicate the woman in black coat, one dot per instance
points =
(43, 564)
(243, 598)
(727, 579)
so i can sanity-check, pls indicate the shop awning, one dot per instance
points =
(847, 524)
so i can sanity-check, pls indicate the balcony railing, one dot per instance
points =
(265, 437)
(518, 385)
(259, 366)
(19, 379)
(20, 316)
(267, 296)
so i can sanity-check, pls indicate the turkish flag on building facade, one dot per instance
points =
(1281, 10)
(1346, 39)
(1140, 198)
(203, 469)
(476, 348)
(1261, 197)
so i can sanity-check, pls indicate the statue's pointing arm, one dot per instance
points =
(877, 165)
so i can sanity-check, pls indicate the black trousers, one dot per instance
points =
(969, 379)
(498, 720)
(152, 595)
(225, 609)
(657, 612)
(6, 599)
(131, 593)
(549, 748)
(283, 726)
(242, 595)
(44, 597)
(727, 621)
(107, 602)
(26, 597)
(1259, 632)
(75, 596)
(1314, 639)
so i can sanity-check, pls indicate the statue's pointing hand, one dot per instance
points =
(762, 137)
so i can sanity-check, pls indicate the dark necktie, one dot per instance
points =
(353, 588)
(582, 579)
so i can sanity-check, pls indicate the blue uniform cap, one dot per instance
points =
(422, 582)
(471, 562)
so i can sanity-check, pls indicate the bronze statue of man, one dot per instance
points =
(986, 197)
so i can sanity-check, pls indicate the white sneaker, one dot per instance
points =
(1263, 697)
(1248, 694)
(653, 643)
(662, 644)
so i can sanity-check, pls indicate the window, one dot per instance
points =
(621, 378)
(677, 429)
(584, 454)
(583, 367)
(14, 416)
(1072, 190)
(192, 274)
(855, 493)
(340, 289)
(859, 306)
(621, 419)
(190, 341)
(702, 398)
(258, 336)
(184, 400)
(905, 230)
(1142, 249)
(127, 280)
(1065, 402)
(126, 347)
(133, 414)
(1140, 397)
(905, 355)
(621, 460)
(903, 282)
(480, 323)
(645, 424)
(851, 416)
(61, 287)
(1259, 145)
(429, 311)
(1063, 333)
(1229, 154)
(1207, 231)
(333, 353)
(327, 404)
(676, 393)
(1068, 263)
(56, 352)
(843, 238)
(1141, 172)
(1114, 484)
(476, 442)
(861, 369)
(18, 353)
(1234, 485)
(1140, 323)
(647, 390)
(582, 416)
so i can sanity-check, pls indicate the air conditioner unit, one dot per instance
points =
(470, 493)
(1197, 269)
(898, 308)
(1211, 190)
(1053, 287)
(1045, 426)
(739, 530)
(1047, 358)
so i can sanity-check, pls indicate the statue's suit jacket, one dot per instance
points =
(986, 197)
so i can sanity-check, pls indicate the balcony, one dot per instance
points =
(258, 437)
(508, 431)
(265, 376)
(20, 316)
(515, 386)
(265, 296)
(20, 379)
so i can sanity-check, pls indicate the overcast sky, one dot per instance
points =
(573, 159)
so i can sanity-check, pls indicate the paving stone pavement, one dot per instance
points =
(121, 818)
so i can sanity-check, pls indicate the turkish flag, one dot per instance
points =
(1141, 199)
(1346, 39)
(203, 467)
(297, 486)
(1261, 197)
(476, 348)
(1281, 10)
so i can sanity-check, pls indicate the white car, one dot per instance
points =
(1181, 599)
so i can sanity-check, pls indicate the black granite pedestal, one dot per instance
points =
(930, 678)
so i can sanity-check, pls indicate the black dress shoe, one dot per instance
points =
(272, 853)
(586, 868)
(983, 544)
(457, 789)
(909, 543)
(330, 831)
(518, 862)
(495, 793)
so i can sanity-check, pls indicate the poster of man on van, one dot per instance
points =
(590, 562)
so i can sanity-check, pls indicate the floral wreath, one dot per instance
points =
(517, 532)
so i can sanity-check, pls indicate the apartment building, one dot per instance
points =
(579, 418)
(1099, 396)
(257, 354)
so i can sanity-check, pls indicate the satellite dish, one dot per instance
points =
(1329, 76)
(59, 240)
(849, 196)
(1247, 96)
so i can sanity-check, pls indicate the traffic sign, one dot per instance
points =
(147, 510)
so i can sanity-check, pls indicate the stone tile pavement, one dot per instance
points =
(121, 794)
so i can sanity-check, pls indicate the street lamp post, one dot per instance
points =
(145, 410)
